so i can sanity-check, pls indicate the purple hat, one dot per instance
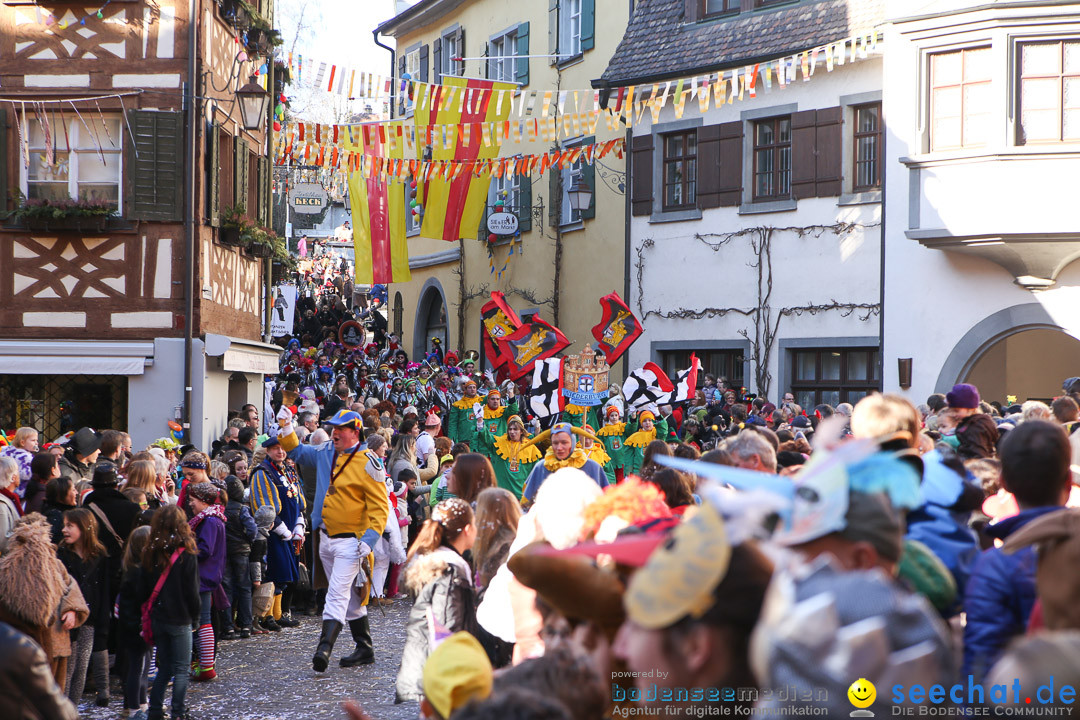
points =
(963, 396)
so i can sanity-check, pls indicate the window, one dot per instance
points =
(412, 220)
(772, 159)
(501, 57)
(508, 183)
(450, 50)
(570, 29)
(727, 364)
(960, 99)
(680, 170)
(834, 376)
(1050, 91)
(86, 158)
(867, 175)
(712, 8)
(412, 67)
(573, 171)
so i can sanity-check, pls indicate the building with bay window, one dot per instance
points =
(756, 226)
(98, 311)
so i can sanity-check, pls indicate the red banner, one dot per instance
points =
(618, 328)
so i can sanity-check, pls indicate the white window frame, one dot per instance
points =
(449, 50)
(569, 29)
(412, 67)
(502, 66)
(510, 182)
(76, 132)
(575, 170)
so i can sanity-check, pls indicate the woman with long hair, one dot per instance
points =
(497, 516)
(403, 455)
(676, 488)
(649, 466)
(130, 621)
(142, 475)
(43, 468)
(440, 581)
(472, 473)
(171, 548)
(83, 556)
(238, 465)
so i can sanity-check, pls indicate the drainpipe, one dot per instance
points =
(191, 110)
(269, 191)
(881, 278)
(393, 58)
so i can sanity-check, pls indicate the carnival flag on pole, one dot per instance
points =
(454, 205)
(646, 385)
(535, 340)
(499, 320)
(547, 398)
(378, 212)
(618, 328)
(685, 384)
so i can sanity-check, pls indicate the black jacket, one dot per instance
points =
(119, 511)
(72, 468)
(93, 579)
(178, 602)
(240, 528)
(54, 513)
(27, 688)
(129, 606)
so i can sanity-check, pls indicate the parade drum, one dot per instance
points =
(352, 334)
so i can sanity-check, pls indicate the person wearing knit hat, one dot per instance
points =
(593, 449)
(613, 435)
(649, 430)
(495, 420)
(963, 400)
(462, 424)
(562, 453)
(456, 673)
(510, 457)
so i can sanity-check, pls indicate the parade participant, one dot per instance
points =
(637, 441)
(274, 483)
(495, 419)
(562, 453)
(511, 458)
(440, 581)
(580, 416)
(594, 450)
(463, 416)
(351, 510)
(613, 435)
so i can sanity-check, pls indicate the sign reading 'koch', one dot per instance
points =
(308, 198)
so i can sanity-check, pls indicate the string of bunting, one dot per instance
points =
(48, 19)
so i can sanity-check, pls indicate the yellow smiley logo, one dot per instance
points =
(862, 693)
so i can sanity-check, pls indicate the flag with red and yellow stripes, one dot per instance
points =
(378, 204)
(452, 112)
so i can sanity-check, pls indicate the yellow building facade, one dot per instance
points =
(564, 260)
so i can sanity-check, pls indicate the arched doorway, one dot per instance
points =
(399, 311)
(431, 319)
(1030, 364)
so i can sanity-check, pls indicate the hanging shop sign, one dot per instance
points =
(502, 223)
(308, 198)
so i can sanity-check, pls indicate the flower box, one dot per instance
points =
(261, 250)
(231, 236)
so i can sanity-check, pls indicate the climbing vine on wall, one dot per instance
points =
(765, 318)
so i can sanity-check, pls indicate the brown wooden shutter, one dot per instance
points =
(641, 183)
(4, 161)
(240, 175)
(155, 165)
(436, 60)
(804, 154)
(213, 171)
(830, 163)
(708, 166)
(729, 187)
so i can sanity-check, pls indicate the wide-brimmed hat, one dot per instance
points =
(85, 441)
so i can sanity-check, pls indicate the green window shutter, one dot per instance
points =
(482, 231)
(213, 172)
(554, 194)
(424, 54)
(155, 165)
(488, 70)
(588, 176)
(436, 62)
(240, 174)
(553, 30)
(521, 65)
(3, 162)
(588, 24)
(524, 207)
(264, 183)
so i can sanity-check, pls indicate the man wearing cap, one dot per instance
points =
(613, 435)
(495, 418)
(77, 462)
(562, 453)
(463, 416)
(351, 510)
(510, 457)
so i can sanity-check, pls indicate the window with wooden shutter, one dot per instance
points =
(708, 166)
(553, 31)
(521, 70)
(155, 165)
(804, 152)
(588, 24)
(253, 187)
(458, 66)
(679, 171)
(829, 152)
(424, 54)
(773, 176)
(213, 175)
(524, 209)
(265, 214)
(226, 169)
(240, 175)
(437, 64)
(868, 140)
(4, 161)
(641, 180)
(730, 186)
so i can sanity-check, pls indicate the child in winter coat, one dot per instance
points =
(440, 580)
(84, 557)
(240, 532)
(130, 622)
(208, 524)
(262, 598)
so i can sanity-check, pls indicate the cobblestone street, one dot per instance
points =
(269, 677)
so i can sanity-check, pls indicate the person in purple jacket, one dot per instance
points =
(209, 527)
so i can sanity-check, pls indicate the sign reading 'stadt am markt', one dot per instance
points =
(308, 198)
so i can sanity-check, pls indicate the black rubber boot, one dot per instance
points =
(330, 630)
(364, 654)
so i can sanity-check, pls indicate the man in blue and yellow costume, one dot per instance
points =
(562, 453)
(351, 508)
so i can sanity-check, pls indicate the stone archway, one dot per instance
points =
(431, 319)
